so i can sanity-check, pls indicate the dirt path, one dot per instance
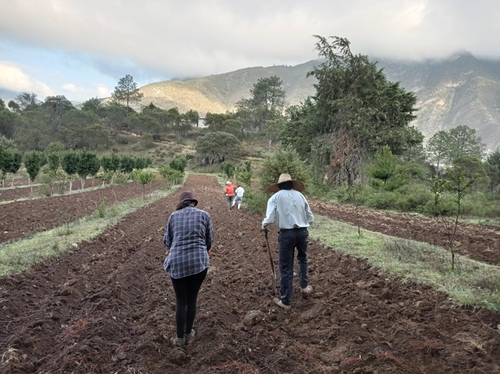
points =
(479, 242)
(107, 307)
(31, 216)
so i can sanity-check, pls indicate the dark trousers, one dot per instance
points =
(186, 293)
(229, 201)
(288, 241)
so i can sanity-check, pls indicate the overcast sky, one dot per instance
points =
(81, 48)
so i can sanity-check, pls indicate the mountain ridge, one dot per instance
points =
(461, 90)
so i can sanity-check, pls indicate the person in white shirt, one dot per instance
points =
(239, 196)
(289, 209)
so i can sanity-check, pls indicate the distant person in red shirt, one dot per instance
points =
(230, 194)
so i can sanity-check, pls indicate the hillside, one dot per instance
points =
(461, 90)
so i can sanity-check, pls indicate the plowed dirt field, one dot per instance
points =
(109, 308)
(26, 217)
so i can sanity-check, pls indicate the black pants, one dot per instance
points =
(186, 293)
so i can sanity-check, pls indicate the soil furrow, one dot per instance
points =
(27, 217)
(108, 307)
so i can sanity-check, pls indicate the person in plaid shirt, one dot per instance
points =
(188, 236)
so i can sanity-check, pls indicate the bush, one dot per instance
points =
(172, 175)
(227, 169)
(256, 201)
(121, 178)
(284, 161)
(178, 163)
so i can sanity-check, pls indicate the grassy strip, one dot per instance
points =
(66, 193)
(19, 256)
(472, 283)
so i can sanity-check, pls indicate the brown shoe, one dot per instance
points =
(189, 337)
(306, 292)
(279, 303)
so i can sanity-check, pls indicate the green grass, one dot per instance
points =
(36, 196)
(472, 283)
(19, 256)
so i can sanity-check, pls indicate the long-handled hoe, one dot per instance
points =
(272, 263)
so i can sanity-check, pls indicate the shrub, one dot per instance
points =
(227, 169)
(285, 160)
(178, 163)
(256, 201)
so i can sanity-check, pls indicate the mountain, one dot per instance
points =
(461, 90)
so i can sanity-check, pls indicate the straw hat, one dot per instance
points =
(188, 196)
(297, 185)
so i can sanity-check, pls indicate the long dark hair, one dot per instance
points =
(184, 204)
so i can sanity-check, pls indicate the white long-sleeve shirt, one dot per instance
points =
(288, 209)
(239, 191)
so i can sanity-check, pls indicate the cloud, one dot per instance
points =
(103, 91)
(70, 87)
(200, 37)
(12, 78)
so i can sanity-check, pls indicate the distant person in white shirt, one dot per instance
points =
(239, 196)
(289, 209)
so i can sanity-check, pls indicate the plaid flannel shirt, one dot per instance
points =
(189, 235)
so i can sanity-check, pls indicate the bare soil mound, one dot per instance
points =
(109, 308)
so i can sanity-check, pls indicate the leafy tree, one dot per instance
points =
(7, 143)
(244, 174)
(110, 164)
(55, 107)
(171, 175)
(284, 160)
(142, 123)
(158, 114)
(142, 162)
(114, 114)
(55, 146)
(10, 162)
(217, 147)
(69, 163)
(91, 105)
(457, 183)
(267, 101)
(33, 161)
(463, 141)
(96, 135)
(473, 168)
(178, 163)
(228, 169)
(358, 111)
(26, 100)
(493, 169)
(127, 164)
(384, 165)
(8, 123)
(191, 117)
(88, 164)
(143, 177)
(127, 91)
(14, 106)
(54, 160)
(33, 132)
(437, 147)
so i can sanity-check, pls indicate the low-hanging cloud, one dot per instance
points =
(200, 37)
(12, 78)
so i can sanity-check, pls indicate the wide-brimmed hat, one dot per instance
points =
(228, 182)
(188, 196)
(297, 185)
